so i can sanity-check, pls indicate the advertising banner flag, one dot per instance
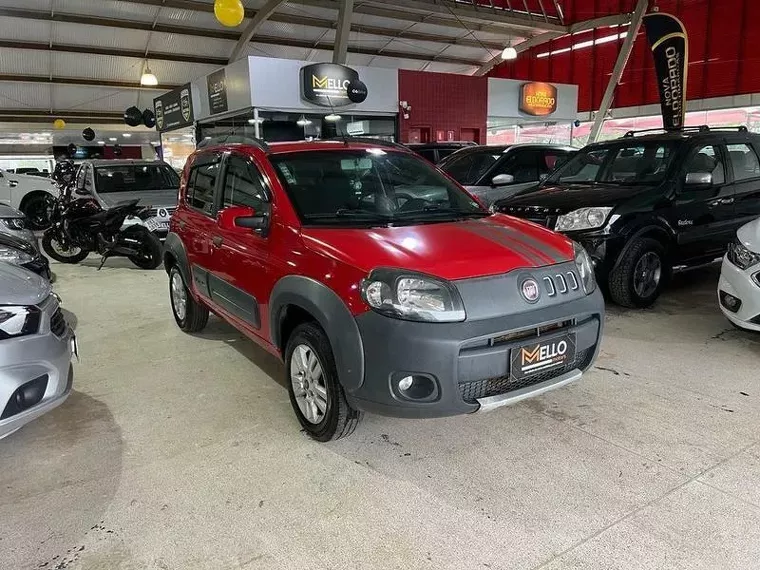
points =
(670, 48)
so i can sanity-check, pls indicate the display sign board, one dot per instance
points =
(670, 49)
(326, 84)
(217, 92)
(174, 109)
(538, 99)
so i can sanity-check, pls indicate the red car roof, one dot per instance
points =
(301, 146)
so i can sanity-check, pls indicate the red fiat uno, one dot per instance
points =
(382, 284)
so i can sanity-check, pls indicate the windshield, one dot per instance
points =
(637, 163)
(469, 167)
(135, 178)
(370, 187)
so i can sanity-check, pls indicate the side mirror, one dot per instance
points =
(502, 180)
(13, 183)
(699, 179)
(242, 217)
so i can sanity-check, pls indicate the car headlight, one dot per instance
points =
(412, 296)
(741, 256)
(18, 321)
(583, 219)
(14, 223)
(14, 256)
(585, 269)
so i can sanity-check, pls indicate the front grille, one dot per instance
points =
(169, 211)
(561, 283)
(542, 216)
(472, 391)
(58, 323)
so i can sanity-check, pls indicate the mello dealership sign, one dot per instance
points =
(538, 99)
(329, 85)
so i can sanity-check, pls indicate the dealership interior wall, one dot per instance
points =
(174, 443)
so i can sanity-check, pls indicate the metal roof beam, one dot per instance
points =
(253, 26)
(44, 15)
(83, 81)
(343, 31)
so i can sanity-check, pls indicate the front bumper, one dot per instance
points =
(739, 284)
(45, 356)
(469, 361)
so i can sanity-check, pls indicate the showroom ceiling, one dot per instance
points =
(84, 58)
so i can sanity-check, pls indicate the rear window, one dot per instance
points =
(468, 168)
(135, 178)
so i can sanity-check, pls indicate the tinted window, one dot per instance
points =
(242, 185)
(521, 164)
(427, 153)
(200, 187)
(351, 186)
(707, 160)
(135, 178)
(550, 160)
(637, 163)
(744, 161)
(469, 167)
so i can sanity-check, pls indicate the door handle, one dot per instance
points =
(217, 241)
(722, 202)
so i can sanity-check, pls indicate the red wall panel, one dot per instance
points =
(443, 101)
(724, 53)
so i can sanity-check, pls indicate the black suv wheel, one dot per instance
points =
(641, 274)
(315, 392)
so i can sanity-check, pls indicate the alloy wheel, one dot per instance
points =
(179, 296)
(309, 386)
(647, 274)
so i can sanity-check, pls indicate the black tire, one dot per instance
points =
(196, 315)
(37, 207)
(151, 250)
(47, 245)
(621, 282)
(339, 419)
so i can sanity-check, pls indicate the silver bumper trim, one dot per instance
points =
(493, 402)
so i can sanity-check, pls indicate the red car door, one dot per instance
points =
(241, 278)
(195, 220)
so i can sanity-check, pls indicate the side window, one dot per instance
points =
(242, 185)
(200, 187)
(550, 160)
(707, 160)
(81, 176)
(744, 162)
(523, 165)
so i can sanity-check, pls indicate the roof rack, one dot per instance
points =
(698, 129)
(234, 139)
(366, 140)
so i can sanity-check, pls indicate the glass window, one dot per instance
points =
(242, 185)
(81, 177)
(135, 178)
(642, 163)
(550, 160)
(521, 164)
(707, 159)
(371, 187)
(744, 161)
(469, 167)
(200, 188)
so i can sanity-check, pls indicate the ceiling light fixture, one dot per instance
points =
(332, 117)
(102, 143)
(113, 139)
(303, 121)
(126, 135)
(148, 79)
(509, 53)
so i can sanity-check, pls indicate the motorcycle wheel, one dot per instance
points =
(53, 248)
(150, 248)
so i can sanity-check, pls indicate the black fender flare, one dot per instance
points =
(333, 316)
(174, 248)
(659, 229)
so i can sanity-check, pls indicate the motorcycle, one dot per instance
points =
(79, 226)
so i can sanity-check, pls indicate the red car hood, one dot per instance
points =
(453, 250)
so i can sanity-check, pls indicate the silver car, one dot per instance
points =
(14, 223)
(36, 348)
(111, 182)
(493, 173)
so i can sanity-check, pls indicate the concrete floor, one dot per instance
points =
(181, 452)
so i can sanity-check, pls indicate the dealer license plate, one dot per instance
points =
(542, 356)
(154, 224)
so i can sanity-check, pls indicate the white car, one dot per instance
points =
(33, 195)
(739, 285)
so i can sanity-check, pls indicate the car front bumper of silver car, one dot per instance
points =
(36, 373)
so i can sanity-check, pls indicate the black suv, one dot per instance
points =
(646, 203)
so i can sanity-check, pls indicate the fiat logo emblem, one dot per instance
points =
(530, 290)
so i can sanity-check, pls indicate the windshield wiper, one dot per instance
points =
(358, 214)
(432, 210)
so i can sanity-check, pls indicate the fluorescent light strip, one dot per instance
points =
(583, 45)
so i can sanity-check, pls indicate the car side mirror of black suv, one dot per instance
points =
(698, 179)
